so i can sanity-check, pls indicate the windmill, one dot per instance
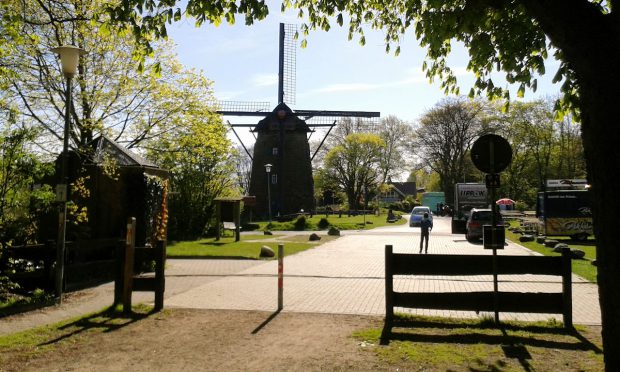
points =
(282, 139)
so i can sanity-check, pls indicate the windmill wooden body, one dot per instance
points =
(282, 141)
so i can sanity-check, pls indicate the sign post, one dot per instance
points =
(492, 154)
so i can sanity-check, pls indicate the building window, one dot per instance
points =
(274, 179)
(274, 151)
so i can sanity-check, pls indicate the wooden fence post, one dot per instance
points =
(120, 272)
(389, 285)
(567, 297)
(160, 263)
(129, 261)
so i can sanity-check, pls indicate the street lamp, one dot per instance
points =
(268, 170)
(69, 60)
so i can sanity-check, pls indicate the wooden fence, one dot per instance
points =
(129, 257)
(464, 265)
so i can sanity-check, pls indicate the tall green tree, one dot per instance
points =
(514, 36)
(200, 158)
(444, 138)
(353, 165)
(136, 102)
(111, 96)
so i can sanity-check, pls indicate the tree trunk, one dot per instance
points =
(590, 44)
(601, 140)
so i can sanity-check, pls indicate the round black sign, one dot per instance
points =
(491, 153)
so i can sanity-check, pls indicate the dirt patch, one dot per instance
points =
(219, 340)
(203, 340)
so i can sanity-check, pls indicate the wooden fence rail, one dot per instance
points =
(464, 265)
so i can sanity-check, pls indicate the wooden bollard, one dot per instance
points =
(129, 261)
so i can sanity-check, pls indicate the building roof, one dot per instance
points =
(272, 121)
(404, 188)
(123, 156)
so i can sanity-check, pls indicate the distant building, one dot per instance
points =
(398, 192)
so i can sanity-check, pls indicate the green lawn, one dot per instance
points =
(583, 268)
(449, 344)
(341, 222)
(248, 247)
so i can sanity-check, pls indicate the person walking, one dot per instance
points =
(426, 225)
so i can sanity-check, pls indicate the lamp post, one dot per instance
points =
(268, 170)
(69, 60)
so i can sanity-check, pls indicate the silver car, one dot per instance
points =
(417, 214)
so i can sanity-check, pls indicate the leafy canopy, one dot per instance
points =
(499, 35)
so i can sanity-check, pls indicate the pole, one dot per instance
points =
(493, 242)
(62, 195)
(281, 65)
(280, 276)
(269, 195)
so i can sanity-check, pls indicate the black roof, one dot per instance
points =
(123, 156)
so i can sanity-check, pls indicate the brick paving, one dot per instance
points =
(344, 276)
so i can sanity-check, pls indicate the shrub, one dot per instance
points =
(323, 223)
(300, 223)
(250, 226)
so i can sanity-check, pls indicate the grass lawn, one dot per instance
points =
(248, 247)
(344, 222)
(583, 268)
(441, 344)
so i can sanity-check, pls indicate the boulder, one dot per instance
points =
(577, 254)
(517, 230)
(333, 231)
(526, 238)
(560, 247)
(541, 239)
(266, 251)
(550, 243)
(267, 232)
(314, 237)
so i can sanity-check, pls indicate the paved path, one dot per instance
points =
(344, 276)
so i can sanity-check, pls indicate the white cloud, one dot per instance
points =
(347, 87)
(264, 80)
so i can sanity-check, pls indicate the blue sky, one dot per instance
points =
(333, 73)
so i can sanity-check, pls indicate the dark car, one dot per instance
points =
(477, 219)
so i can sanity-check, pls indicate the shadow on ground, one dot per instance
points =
(107, 320)
(515, 340)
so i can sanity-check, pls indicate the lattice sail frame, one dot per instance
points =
(289, 73)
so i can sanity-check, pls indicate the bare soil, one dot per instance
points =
(220, 340)
(192, 340)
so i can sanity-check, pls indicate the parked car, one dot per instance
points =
(417, 214)
(477, 219)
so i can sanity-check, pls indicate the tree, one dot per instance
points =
(444, 138)
(511, 36)
(160, 107)
(110, 95)
(397, 136)
(243, 163)
(353, 165)
(19, 169)
(201, 161)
